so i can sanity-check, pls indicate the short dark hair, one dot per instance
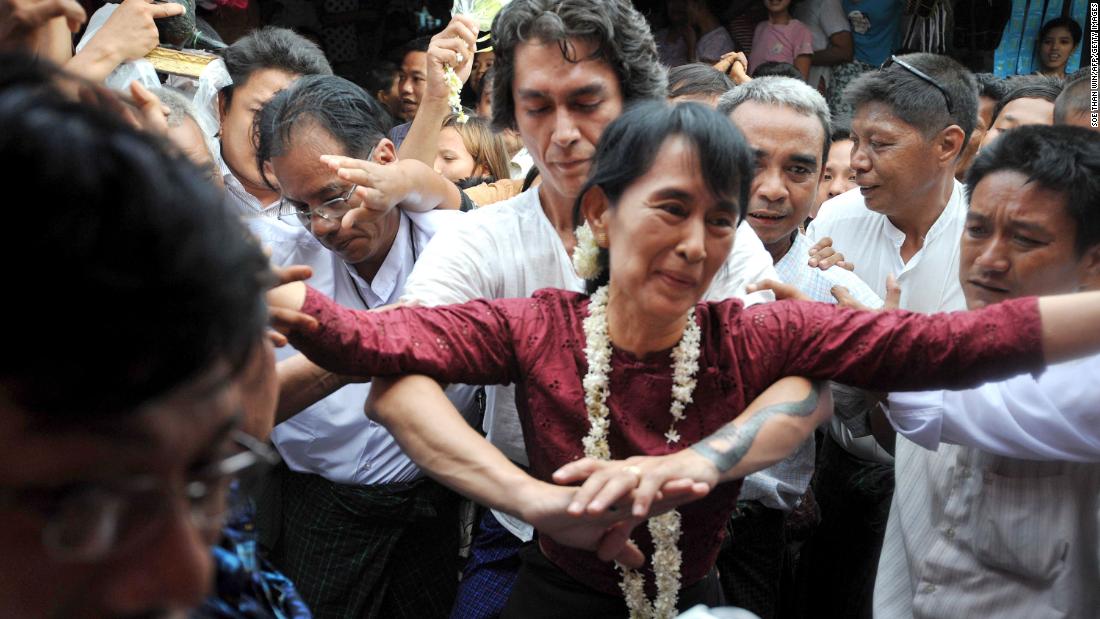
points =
(842, 129)
(1060, 158)
(345, 111)
(1061, 22)
(380, 77)
(1029, 87)
(171, 282)
(1074, 99)
(271, 47)
(620, 33)
(628, 148)
(419, 44)
(783, 69)
(917, 102)
(990, 86)
(697, 79)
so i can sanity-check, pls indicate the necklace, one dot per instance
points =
(665, 529)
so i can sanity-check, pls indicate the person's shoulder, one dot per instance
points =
(846, 206)
(278, 234)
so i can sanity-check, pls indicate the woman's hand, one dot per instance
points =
(654, 483)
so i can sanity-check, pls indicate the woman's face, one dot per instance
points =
(452, 160)
(483, 61)
(668, 235)
(777, 6)
(1055, 48)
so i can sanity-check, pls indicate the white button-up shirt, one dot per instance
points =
(1009, 523)
(246, 204)
(929, 281)
(510, 249)
(334, 438)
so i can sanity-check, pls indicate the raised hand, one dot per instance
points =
(453, 47)
(735, 65)
(823, 256)
(381, 187)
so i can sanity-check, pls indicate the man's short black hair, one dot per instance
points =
(356, 120)
(135, 277)
(419, 44)
(381, 77)
(271, 47)
(842, 129)
(1060, 158)
(697, 79)
(784, 69)
(1029, 87)
(915, 101)
(1074, 99)
(1061, 22)
(990, 86)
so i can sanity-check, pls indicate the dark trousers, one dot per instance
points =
(837, 566)
(751, 562)
(365, 551)
(544, 591)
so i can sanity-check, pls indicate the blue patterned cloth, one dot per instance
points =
(490, 573)
(247, 586)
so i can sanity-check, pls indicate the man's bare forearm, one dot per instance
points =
(303, 383)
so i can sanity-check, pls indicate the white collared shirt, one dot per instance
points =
(1009, 517)
(509, 250)
(246, 204)
(334, 438)
(929, 281)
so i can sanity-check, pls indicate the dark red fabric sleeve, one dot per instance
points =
(468, 343)
(897, 350)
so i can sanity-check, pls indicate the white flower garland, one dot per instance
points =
(665, 529)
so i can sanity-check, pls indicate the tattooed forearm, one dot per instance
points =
(726, 447)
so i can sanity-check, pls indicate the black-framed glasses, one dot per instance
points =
(924, 76)
(89, 522)
(331, 211)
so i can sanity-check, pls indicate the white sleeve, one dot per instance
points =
(832, 18)
(1054, 417)
(747, 263)
(460, 264)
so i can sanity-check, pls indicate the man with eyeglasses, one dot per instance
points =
(358, 528)
(118, 446)
(912, 119)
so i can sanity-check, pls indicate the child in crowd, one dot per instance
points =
(782, 39)
(470, 149)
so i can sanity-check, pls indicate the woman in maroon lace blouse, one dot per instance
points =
(666, 191)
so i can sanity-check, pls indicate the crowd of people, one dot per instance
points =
(767, 315)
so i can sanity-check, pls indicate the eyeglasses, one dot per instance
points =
(331, 211)
(922, 75)
(90, 522)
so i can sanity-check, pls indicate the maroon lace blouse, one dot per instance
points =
(538, 343)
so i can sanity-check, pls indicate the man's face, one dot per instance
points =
(839, 175)
(1020, 112)
(787, 146)
(1019, 241)
(361, 235)
(413, 81)
(238, 150)
(893, 162)
(562, 108)
(162, 560)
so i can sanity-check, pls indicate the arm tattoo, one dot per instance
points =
(730, 443)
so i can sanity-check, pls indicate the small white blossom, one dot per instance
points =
(586, 254)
